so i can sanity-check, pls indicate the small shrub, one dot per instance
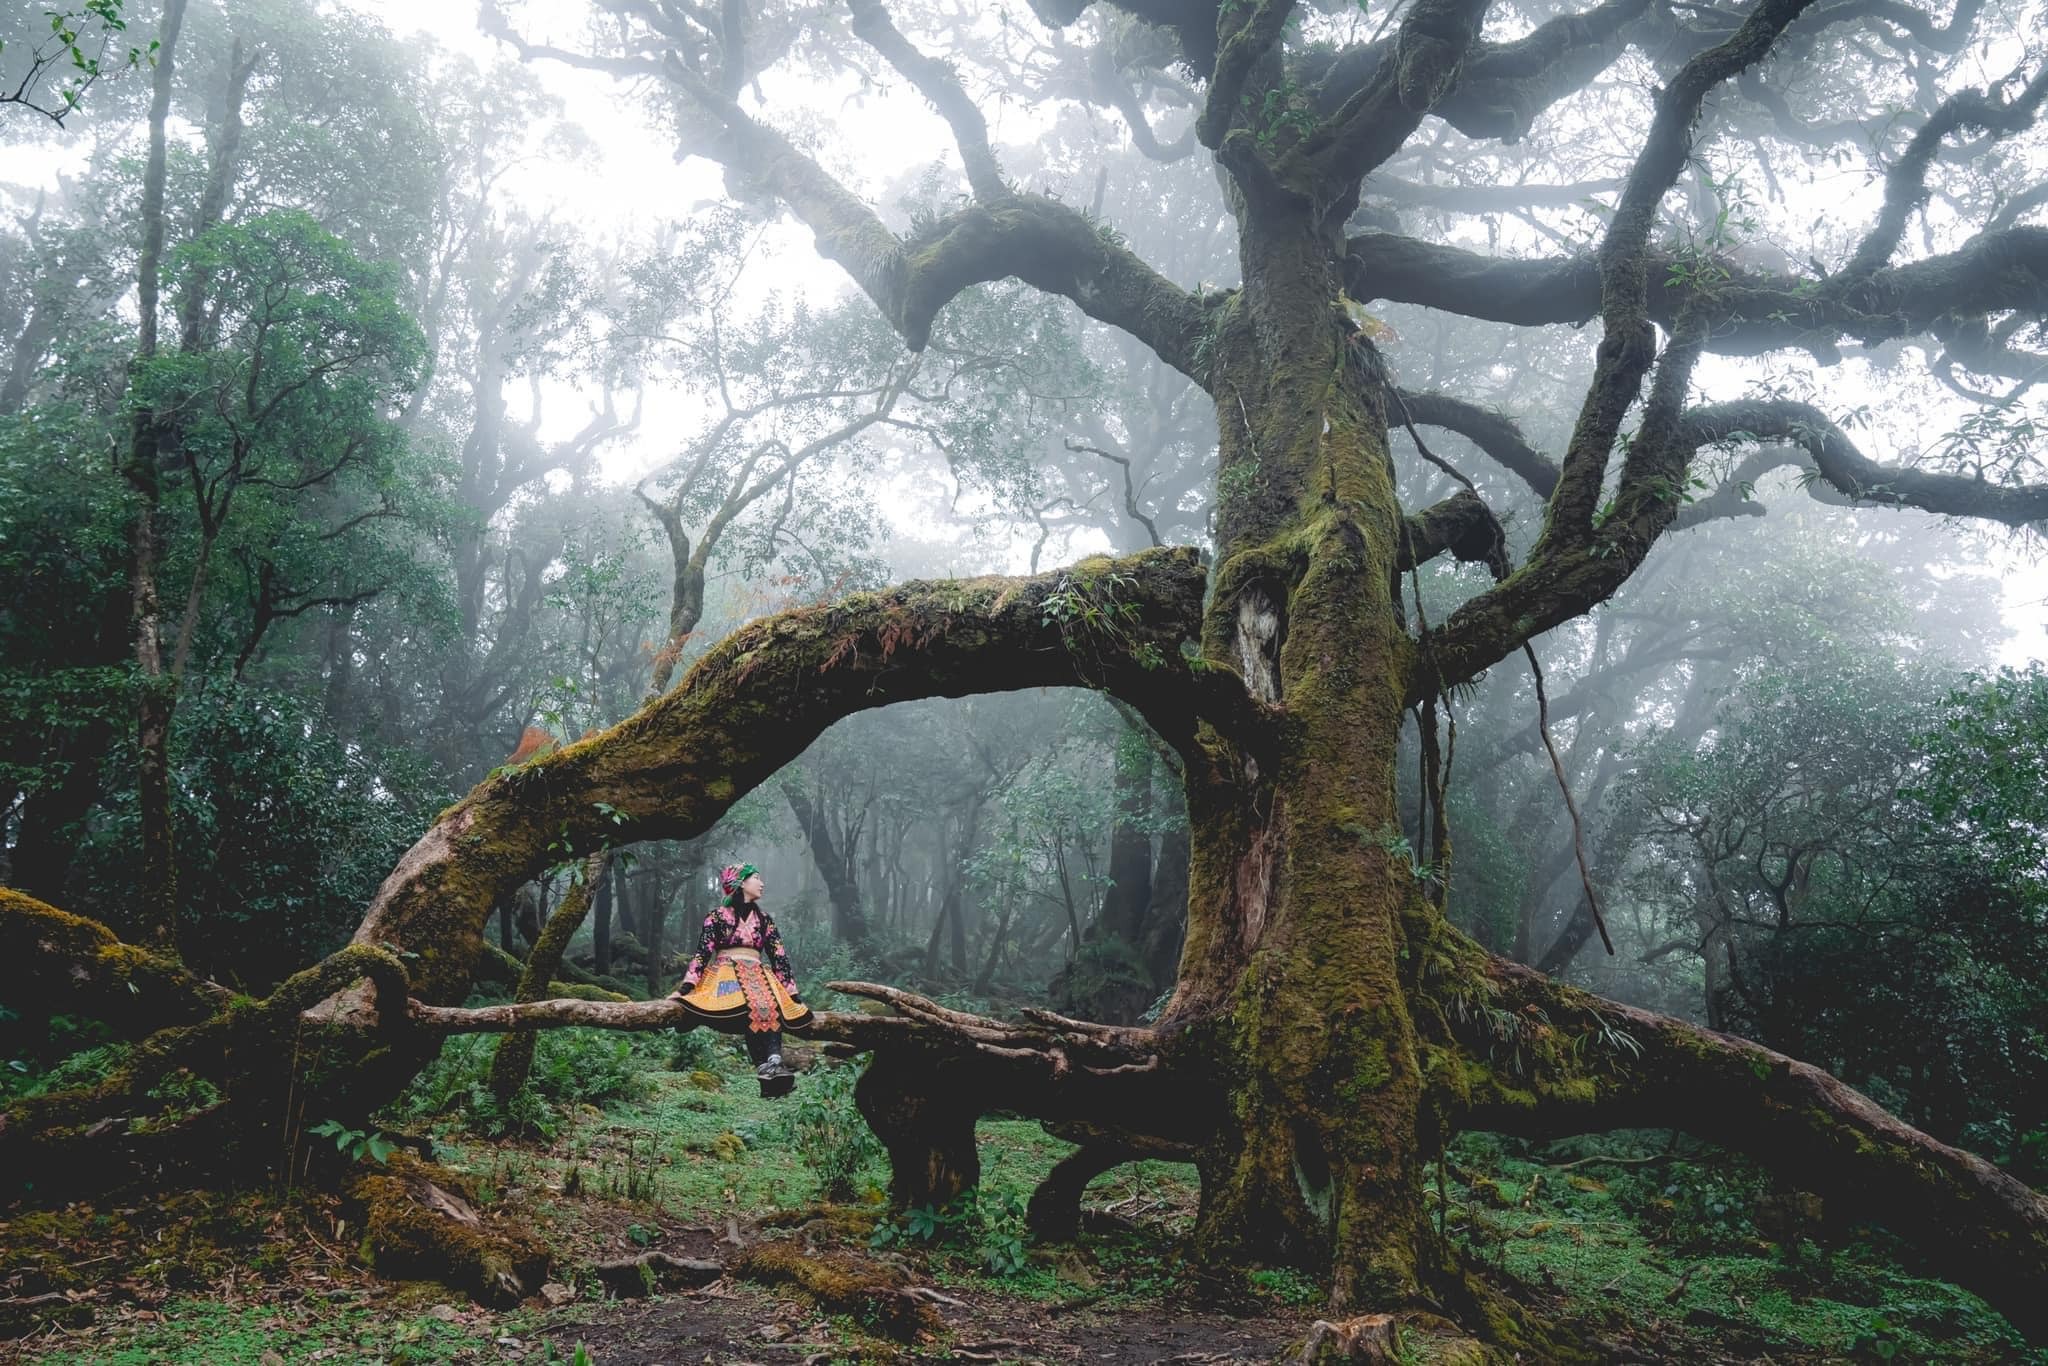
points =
(826, 1129)
(1697, 1208)
(990, 1226)
(1285, 1285)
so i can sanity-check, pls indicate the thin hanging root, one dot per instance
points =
(1437, 769)
(1578, 827)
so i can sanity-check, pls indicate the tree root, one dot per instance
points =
(422, 1223)
(877, 1297)
(1367, 1340)
(1054, 1212)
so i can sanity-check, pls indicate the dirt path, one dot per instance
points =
(730, 1325)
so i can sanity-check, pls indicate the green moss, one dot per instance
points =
(409, 1231)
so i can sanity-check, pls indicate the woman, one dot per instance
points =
(740, 979)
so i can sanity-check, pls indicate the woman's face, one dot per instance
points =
(751, 888)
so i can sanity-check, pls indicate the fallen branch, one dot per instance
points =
(632, 1278)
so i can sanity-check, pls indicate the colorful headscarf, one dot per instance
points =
(731, 878)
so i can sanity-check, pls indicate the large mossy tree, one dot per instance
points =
(1329, 1029)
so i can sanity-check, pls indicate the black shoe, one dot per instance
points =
(775, 1079)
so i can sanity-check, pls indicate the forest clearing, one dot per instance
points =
(1146, 681)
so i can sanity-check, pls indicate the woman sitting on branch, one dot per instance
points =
(740, 980)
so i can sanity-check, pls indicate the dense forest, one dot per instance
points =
(1301, 607)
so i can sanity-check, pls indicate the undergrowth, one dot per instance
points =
(1635, 1235)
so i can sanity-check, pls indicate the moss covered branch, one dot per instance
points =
(56, 963)
(1515, 1052)
(126, 1128)
(757, 699)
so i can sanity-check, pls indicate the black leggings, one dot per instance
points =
(760, 1047)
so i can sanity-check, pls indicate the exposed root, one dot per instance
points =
(1366, 1340)
(878, 1297)
(1054, 1213)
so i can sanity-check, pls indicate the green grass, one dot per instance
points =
(1667, 1246)
(196, 1331)
(682, 1147)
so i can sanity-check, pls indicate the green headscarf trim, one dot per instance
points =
(732, 879)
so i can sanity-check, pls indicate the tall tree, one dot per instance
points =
(1329, 1027)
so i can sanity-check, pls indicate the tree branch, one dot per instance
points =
(1641, 1069)
(1248, 35)
(1862, 479)
(1492, 432)
(1461, 524)
(1034, 238)
(759, 697)
(1746, 314)
(1905, 185)
(940, 84)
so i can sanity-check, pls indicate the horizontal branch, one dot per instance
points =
(1745, 313)
(1863, 480)
(1045, 1047)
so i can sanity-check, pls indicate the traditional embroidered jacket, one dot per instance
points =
(750, 927)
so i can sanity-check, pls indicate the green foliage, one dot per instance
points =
(201, 1331)
(1695, 1208)
(78, 46)
(355, 1144)
(1691, 1268)
(1283, 112)
(23, 1074)
(1876, 852)
(285, 829)
(826, 1130)
(1286, 1286)
(571, 1067)
(989, 1225)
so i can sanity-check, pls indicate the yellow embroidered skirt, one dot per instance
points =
(739, 993)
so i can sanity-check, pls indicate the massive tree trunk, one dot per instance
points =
(1289, 977)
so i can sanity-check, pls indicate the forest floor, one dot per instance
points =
(1648, 1251)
